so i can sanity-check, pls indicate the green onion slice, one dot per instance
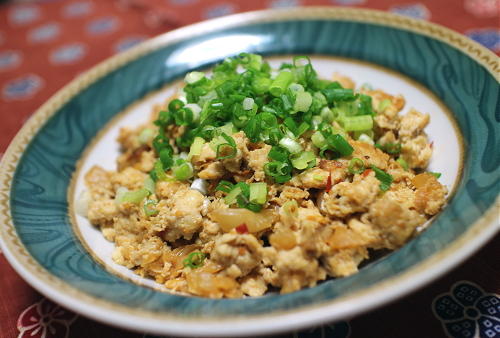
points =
(149, 208)
(291, 145)
(158, 173)
(224, 186)
(303, 160)
(194, 260)
(403, 163)
(436, 175)
(303, 101)
(183, 170)
(384, 104)
(175, 105)
(356, 123)
(135, 196)
(258, 192)
(281, 83)
(193, 77)
(149, 185)
(356, 166)
(389, 148)
(384, 178)
(232, 195)
(146, 135)
(340, 144)
(196, 147)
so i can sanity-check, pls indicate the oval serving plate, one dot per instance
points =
(38, 174)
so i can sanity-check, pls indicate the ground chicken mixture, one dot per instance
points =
(254, 180)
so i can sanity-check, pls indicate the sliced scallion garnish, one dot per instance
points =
(384, 178)
(356, 166)
(194, 260)
(149, 208)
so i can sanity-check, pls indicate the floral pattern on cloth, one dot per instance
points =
(482, 8)
(416, 11)
(488, 37)
(467, 311)
(45, 319)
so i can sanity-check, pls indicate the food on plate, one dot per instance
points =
(254, 179)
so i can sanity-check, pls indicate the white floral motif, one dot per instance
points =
(45, 319)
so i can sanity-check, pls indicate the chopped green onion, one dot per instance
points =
(226, 150)
(389, 148)
(196, 147)
(384, 104)
(231, 196)
(327, 114)
(120, 192)
(291, 208)
(261, 85)
(320, 98)
(279, 171)
(194, 260)
(436, 175)
(338, 94)
(280, 83)
(295, 87)
(291, 145)
(184, 117)
(303, 160)
(253, 207)
(175, 105)
(366, 139)
(278, 154)
(258, 192)
(146, 135)
(158, 173)
(301, 61)
(251, 61)
(193, 77)
(356, 166)
(248, 103)
(241, 194)
(228, 129)
(318, 139)
(195, 109)
(339, 130)
(356, 123)
(224, 186)
(200, 185)
(149, 208)
(166, 158)
(135, 196)
(338, 143)
(303, 101)
(149, 184)
(403, 163)
(183, 171)
(384, 178)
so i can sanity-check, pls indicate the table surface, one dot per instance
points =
(40, 38)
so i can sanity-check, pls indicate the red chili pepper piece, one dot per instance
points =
(366, 172)
(242, 229)
(431, 145)
(329, 182)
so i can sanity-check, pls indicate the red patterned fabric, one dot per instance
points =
(45, 44)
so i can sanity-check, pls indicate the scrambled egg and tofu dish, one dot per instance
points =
(255, 180)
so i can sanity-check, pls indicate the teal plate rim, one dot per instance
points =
(50, 258)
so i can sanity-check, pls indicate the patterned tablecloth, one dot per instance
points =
(44, 44)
